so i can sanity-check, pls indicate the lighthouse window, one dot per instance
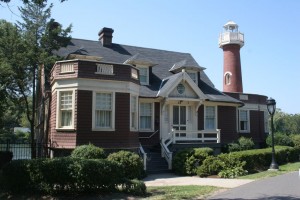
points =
(227, 79)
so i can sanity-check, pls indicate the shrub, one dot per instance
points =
(242, 144)
(89, 151)
(233, 172)
(296, 140)
(211, 166)
(5, 157)
(135, 187)
(131, 164)
(280, 139)
(186, 161)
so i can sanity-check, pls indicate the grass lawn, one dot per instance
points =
(282, 169)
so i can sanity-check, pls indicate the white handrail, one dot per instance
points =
(141, 149)
(166, 153)
(202, 135)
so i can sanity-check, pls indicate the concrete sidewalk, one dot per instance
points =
(172, 179)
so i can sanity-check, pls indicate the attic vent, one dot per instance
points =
(66, 67)
(105, 69)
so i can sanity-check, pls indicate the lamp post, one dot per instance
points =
(271, 105)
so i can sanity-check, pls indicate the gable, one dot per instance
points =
(183, 90)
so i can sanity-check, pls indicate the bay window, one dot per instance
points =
(103, 111)
(65, 102)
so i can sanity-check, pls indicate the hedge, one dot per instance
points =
(65, 175)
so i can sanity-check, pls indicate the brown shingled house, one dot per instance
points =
(125, 97)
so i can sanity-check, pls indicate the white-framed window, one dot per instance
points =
(66, 67)
(146, 116)
(133, 112)
(65, 109)
(144, 75)
(210, 117)
(103, 112)
(244, 122)
(193, 76)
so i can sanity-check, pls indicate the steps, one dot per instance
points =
(155, 163)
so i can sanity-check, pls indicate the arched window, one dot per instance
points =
(227, 78)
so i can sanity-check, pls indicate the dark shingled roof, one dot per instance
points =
(163, 61)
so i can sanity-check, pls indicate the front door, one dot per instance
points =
(180, 120)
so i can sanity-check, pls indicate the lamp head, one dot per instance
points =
(271, 105)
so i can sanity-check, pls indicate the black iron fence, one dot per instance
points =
(22, 150)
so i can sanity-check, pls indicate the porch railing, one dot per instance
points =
(203, 136)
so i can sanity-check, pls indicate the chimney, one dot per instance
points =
(105, 36)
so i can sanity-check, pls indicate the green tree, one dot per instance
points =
(42, 36)
(286, 123)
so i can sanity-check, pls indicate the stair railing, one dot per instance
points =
(166, 153)
(143, 154)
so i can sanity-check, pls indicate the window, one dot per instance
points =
(244, 121)
(105, 69)
(227, 78)
(146, 116)
(103, 111)
(193, 76)
(65, 109)
(133, 112)
(134, 73)
(144, 75)
(66, 67)
(210, 117)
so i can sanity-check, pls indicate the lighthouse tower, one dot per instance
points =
(231, 40)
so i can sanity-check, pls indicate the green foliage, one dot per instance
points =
(280, 139)
(286, 123)
(242, 144)
(131, 164)
(210, 166)
(135, 187)
(89, 151)
(185, 162)
(296, 140)
(66, 175)
(233, 172)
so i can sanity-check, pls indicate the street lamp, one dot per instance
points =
(271, 105)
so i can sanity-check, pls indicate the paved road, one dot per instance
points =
(286, 187)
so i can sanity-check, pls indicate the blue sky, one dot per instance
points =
(270, 56)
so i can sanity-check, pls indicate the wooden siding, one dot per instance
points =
(87, 69)
(257, 127)
(121, 138)
(59, 138)
(227, 123)
(252, 98)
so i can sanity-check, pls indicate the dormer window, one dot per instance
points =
(193, 76)
(144, 75)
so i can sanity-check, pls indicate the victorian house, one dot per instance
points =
(126, 97)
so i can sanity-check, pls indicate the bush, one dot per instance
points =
(62, 175)
(135, 187)
(242, 144)
(211, 166)
(185, 162)
(280, 139)
(296, 140)
(131, 164)
(89, 151)
(5, 157)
